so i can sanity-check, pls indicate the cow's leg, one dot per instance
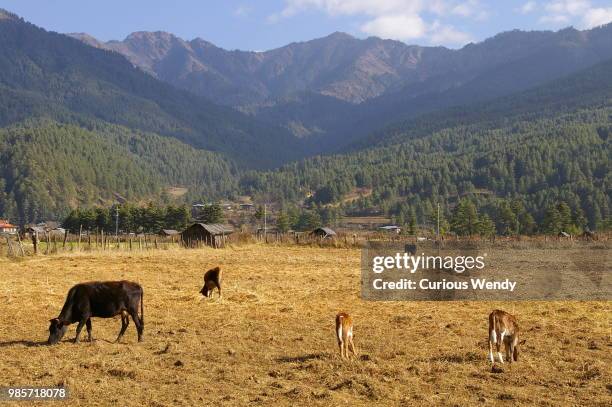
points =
(352, 346)
(78, 330)
(492, 341)
(219, 288)
(499, 344)
(139, 324)
(125, 321)
(88, 324)
(509, 351)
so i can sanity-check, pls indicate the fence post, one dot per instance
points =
(8, 245)
(20, 244)
(80, 234)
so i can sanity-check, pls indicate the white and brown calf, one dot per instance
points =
(503, 331)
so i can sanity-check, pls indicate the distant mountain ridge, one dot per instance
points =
(386, 81)
(45, 74)
(338, 65)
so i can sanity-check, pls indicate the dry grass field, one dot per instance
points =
(270, 341)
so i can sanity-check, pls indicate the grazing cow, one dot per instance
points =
(212, 280)
(344, 334)
(503, 329)
(99, 299)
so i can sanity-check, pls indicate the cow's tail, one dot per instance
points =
(142, 306)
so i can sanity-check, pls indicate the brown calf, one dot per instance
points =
(212, 280)
(344, 334)
(503, 329)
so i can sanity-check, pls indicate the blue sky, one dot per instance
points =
(267, 24)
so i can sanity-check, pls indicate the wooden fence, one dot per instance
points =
(52, 243)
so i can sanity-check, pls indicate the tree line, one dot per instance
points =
(511, 218)
(128, 219)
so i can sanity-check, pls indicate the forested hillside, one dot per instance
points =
(530, 152)
(46, 168)
(48, 74)
(591, 87)
(537, 162)
(543, 146)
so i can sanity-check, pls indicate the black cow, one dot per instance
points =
(99, 299)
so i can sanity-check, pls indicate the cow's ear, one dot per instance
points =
(54, 320)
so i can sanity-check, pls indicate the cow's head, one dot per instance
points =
(57, 329)
(205, 291)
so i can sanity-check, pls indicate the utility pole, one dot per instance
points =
(116, 220)
(438, 228)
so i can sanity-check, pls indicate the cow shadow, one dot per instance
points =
(302, 358)
(33, 344)
(29, 344)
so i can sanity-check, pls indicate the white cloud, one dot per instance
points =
(470, 8)
(554, 19)
(596, 17)
(352, 7)
(395, 19)
(580, 12)
(400, 27)
(568, 7)
(448, 35)
(439, 7)
(242, 11)
(528, 7)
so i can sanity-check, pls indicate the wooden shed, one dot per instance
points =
(323, 233)
(210, 234)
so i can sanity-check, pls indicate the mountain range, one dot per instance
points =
(523, 116)
(339, 88)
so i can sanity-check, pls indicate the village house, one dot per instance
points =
(7, 228)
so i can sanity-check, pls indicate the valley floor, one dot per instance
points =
(270, 340)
